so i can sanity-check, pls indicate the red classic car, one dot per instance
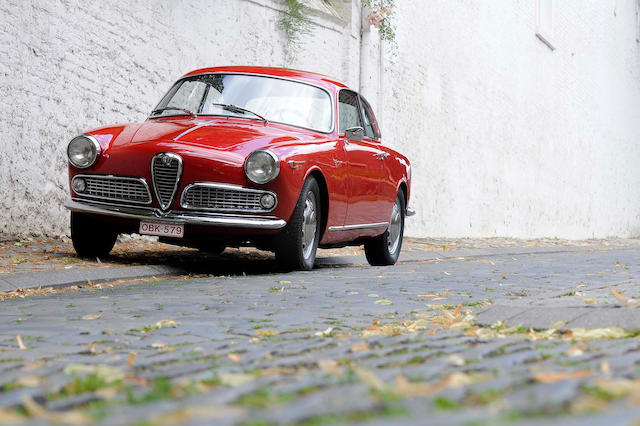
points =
(280, 159)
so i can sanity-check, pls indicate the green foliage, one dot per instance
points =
(381, 16)
(294, 23)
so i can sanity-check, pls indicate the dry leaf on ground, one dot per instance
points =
(267, 332)
(92, 316)
(553, 377)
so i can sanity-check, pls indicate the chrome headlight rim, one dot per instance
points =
(276, 165)
(95, 151)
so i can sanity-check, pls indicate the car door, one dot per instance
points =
(387, 186)
(365, 169)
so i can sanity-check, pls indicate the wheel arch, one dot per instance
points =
(405, 193)
(324, 197)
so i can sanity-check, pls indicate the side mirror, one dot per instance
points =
(354, 134)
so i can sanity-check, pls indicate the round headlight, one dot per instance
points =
(83, 151)
(262, 166)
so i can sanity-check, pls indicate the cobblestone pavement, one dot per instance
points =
(544, 336)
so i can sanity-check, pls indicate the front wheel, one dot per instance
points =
(385, 249)
(90, 237)
(296, 246)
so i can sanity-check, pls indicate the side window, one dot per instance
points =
(370, 123)
(348, 111)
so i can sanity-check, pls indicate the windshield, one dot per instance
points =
(257, 97)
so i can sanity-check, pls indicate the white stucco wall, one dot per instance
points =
(506, 136)
(510, 138)
(69, 66)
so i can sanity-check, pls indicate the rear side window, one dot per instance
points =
(348, 111)
(370, 123)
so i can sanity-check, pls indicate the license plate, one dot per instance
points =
(161, 229)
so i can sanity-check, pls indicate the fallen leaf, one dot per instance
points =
(330, 367)
(132, 357)
(372, 295)
(553, 377)
(166, 324)
(605, 367)
(326, 333)
(599, 333)
(29, 381)
(92, 316)
(619, 297)
(383, 302)
(234, 357)
(359, 347)
(575, 350)
(20, 344)
(369, 378)
(456, 360)
(589, 300)
(103, 372)
(427, 296)
(267, 332)
(235, 379)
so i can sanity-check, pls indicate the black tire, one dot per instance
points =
(90, 237)
(385, 249)
(294, 247)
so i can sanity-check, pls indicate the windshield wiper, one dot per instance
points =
(240, 110)
(159, 110)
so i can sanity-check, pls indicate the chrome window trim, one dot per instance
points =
(95, 143)
(358, 226)
(112, 177)
(176, 184)
(230, 187)
(272, 155)
(176, 217)
(331, 98)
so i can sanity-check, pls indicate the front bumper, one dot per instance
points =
(177, 217)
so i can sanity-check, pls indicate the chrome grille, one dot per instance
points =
(116, 188)
(222, 197)
(166, 170)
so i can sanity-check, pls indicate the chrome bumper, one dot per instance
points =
(178, 217)
(410, 212)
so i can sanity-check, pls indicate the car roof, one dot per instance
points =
(305, 76)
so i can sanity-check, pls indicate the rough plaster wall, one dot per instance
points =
(510, 138)
(68, 66)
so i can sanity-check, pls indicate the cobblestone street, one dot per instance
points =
(457, 332)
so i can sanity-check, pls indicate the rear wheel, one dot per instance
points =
(296, 246)
(385, 249)
(90, 237)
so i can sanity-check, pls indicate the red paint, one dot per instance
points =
(361, 187)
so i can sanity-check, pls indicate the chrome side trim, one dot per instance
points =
(177, 182)
(358, 226)
(113, 177)
(177, 217)
(229, 187)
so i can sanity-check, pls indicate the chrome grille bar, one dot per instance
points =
(166, 171)
(219, 197)
(115, 188)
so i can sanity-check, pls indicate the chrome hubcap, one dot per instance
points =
(393, 231)
(309, 224)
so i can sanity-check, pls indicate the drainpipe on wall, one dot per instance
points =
(371, 65)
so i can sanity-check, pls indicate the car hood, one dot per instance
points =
(235, 135)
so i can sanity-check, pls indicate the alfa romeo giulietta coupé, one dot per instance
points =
(279, 159)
